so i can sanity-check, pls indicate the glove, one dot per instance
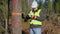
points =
(27, 18)
(23, 16)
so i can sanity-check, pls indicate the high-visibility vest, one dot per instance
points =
(35, 22)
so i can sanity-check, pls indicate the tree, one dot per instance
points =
(16, 16)
(58, 6)
(49, 5)
(40, 4)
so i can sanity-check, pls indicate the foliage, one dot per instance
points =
(58, 6)
(3, 12)
(40, 4)
(24, 6)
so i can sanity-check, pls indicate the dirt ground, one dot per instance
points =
(48, 27)
(25, 28)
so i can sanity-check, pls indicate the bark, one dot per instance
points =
(16, 17)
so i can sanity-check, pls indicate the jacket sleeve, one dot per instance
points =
(42, 16)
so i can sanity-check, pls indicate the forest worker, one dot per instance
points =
(36, 16)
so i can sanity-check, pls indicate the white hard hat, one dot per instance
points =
(34, 4)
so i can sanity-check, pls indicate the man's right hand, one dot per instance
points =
(33, 17)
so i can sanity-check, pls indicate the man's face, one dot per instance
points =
(35, 9)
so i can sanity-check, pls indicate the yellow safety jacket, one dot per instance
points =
(35, 22)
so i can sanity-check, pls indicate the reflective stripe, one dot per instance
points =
(36, 22)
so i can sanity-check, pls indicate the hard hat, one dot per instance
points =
(34, 4)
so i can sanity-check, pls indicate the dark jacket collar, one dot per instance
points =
(34, 11)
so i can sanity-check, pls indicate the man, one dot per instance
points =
(36, 18)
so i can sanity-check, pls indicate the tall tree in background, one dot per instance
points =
(54, 5)
(40, 2)
(58, 6)
(49, 5)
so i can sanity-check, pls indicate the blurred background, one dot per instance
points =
(51, 25)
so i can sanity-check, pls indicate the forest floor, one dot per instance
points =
(48, 27)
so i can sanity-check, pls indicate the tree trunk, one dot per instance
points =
(16, 17)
